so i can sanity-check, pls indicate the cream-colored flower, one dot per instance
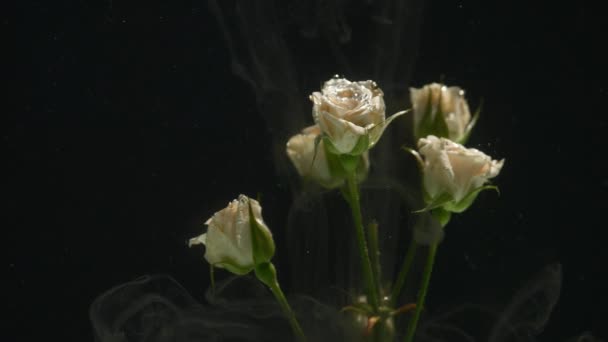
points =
(301, 151)
(452, 169)
(230, 234)
(441, 111)
(350, 114)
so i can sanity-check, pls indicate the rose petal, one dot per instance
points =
(199, 240)
(222, 249)
(438, 173)
(344, 135)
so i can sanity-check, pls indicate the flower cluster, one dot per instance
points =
(453, 175)
(349, 121)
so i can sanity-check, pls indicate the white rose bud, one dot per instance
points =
(453, 175)
(237, 238)
(321, 168)
(350, 114)
(441, 111)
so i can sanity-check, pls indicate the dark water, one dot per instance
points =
(134, 122)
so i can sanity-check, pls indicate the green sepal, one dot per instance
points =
(349, 163)
(267, 274)
(346, 194)
(360, 147)
(318, 140)
(433, 125)
(376, 131)
(329, 146)
(337, 163)
(334, 163)
(262, 244)
(436, 202)
(402, 310)
(441, 215)
(361, 170)
(471, 125)
(365, 141)
(466, 202)
(416, 155)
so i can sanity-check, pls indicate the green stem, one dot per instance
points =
(355, 206)
(374, 254)
(405, 268)
(426, 278)
(291, 317)
(212, 278)
(267, 274)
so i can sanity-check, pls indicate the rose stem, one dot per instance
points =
(212, 278)
(374, 254)
(267, 274)
(426, 278)
(362, 244)
(405, 268)
(278, 293)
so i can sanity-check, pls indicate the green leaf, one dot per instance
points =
(261, 241)
(466, 202)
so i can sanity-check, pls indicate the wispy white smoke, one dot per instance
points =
(158, 309)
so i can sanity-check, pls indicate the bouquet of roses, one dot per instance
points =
(349, 120)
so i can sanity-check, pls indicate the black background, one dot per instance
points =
(130, 129)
